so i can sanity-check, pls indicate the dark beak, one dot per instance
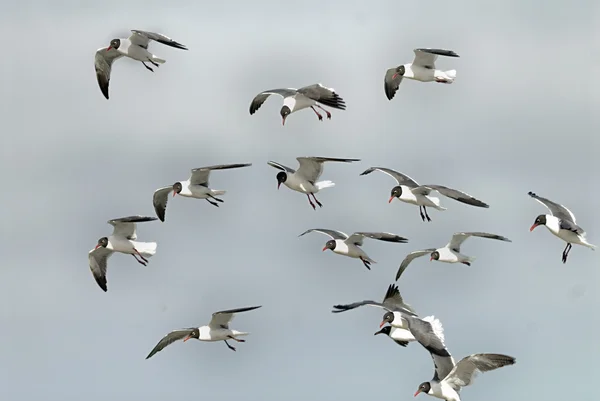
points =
(283, 121)
(378, 332)
(533, 227)
(278, 184)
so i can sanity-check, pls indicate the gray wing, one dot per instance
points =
(334, 234)
(103, 64)
(159, 200)
(281, 167)
(143, 38)
(443, 365)
(409, 258)
(426, 57)
(392, 302)
(221, 319)
(570, 226)
(200, 175)
(125, 226)
(450, 193)
(357, 238)
(392, 80)
(459, 238)
(467, 368)
(311, 168)
(169, 339)
(401, 179)
(98, 259)
(429, 333)
(323, 95)
(558, 211)
(261, 97)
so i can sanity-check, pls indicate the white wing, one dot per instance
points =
(125, 226)
(143, 38)
(98, 259)
(559, 211)
(426, 57)
(201, 175)
(467, 368)
(459, 238)
(221, 319)
(311, 168)
(333, 234)
(103, 65)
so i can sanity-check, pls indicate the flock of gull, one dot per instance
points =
(403, 324)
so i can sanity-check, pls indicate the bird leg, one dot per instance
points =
(147, 67)
(229, 346)
(318, 115)
(140, 255)
(366, 263)
(318, 203)
(426, 215)
(328, 113)
(309, 201)
(466, 263)
(139, 261)
(215, 198)
(566, 252)
(239, 340)
(212, 203)
(153, 63)
(421, 213)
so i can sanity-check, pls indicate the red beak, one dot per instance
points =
(394, 76)
(187, 338)
(430, 258)
(391, 199)
(324, 248)
(278, 185)
(418, 392)
(533, 227)
(382, 323)
(283, 121)
(174, 193)
(97, 246)
(108, 48)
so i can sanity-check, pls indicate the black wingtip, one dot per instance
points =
(531, 193)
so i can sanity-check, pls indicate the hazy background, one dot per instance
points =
(517, 119)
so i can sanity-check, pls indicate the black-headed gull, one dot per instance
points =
(407, 190)
(123, 240)
(298, 99)
(450, 253)
(561, 222)
(194, 187)
(342, 244)
(393, 303)
(305, 179)
(135, 47)
(421, 69)
(216, 330)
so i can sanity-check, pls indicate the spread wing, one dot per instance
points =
(401, 179)
(442, 365)
(221, 319)
(323, 95)
(409, 258)
(333, 234)
(450, 193)
(143, 38)
(311, 168)
(467, 368)
(392, 80)
(281, 167)
(103, 64)
(169, 339)
(558, 211)
(159, 200)
(200, 175)
(429, 333)
(426, 57)
(261, 97)
(459, 238)
(392, 302)
(125, 226)
(357, 238)
(98, 259)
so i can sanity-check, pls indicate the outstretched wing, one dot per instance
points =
(143, 38)
(125, 226)
(558, 211)
(311, 168)
(261, 97)
(392, 80)
(450, 193)
(221, 319)
(333, 234)
(392, 302)
(459, 238)
(323, 95)
(169, 339)
(98, 261)
(426, 57)
(201, 175)
(159, 201)
(357, 238)
(409, 258)
(467, 368)
(401, 179)
(103, 64)
(281, 167)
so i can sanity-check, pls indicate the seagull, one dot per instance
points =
(135, 47)
(123, 239)
(407, 190)
(450, 253)
(216, 330)
(305, 179)
(298, 99)
(393, 303)
(561, 222)
(421, 69)
(342, 244)
(194, 187)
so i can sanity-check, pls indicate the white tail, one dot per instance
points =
(437, 327)
(324, 184)
(451, 74)
(217, 192)
(158, 60)
(147, 249)
(591, 246)
(436, 202)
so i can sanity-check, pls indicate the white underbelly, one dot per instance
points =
(138, 53)
(298, 184)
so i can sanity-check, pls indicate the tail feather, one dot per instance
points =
(436, 202)
(217, 192)
(147, 249)
(451, 74)
(324, 184)
(158, 60)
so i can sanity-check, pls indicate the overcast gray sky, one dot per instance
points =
(518, 118)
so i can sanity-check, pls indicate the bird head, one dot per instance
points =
(281, 178)
(424, 387)
(435, 255)
(177, 187)
(396, 193)
(539, 221)
(387, 318)
(285, 111)
(329, 245)
(102, 242)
